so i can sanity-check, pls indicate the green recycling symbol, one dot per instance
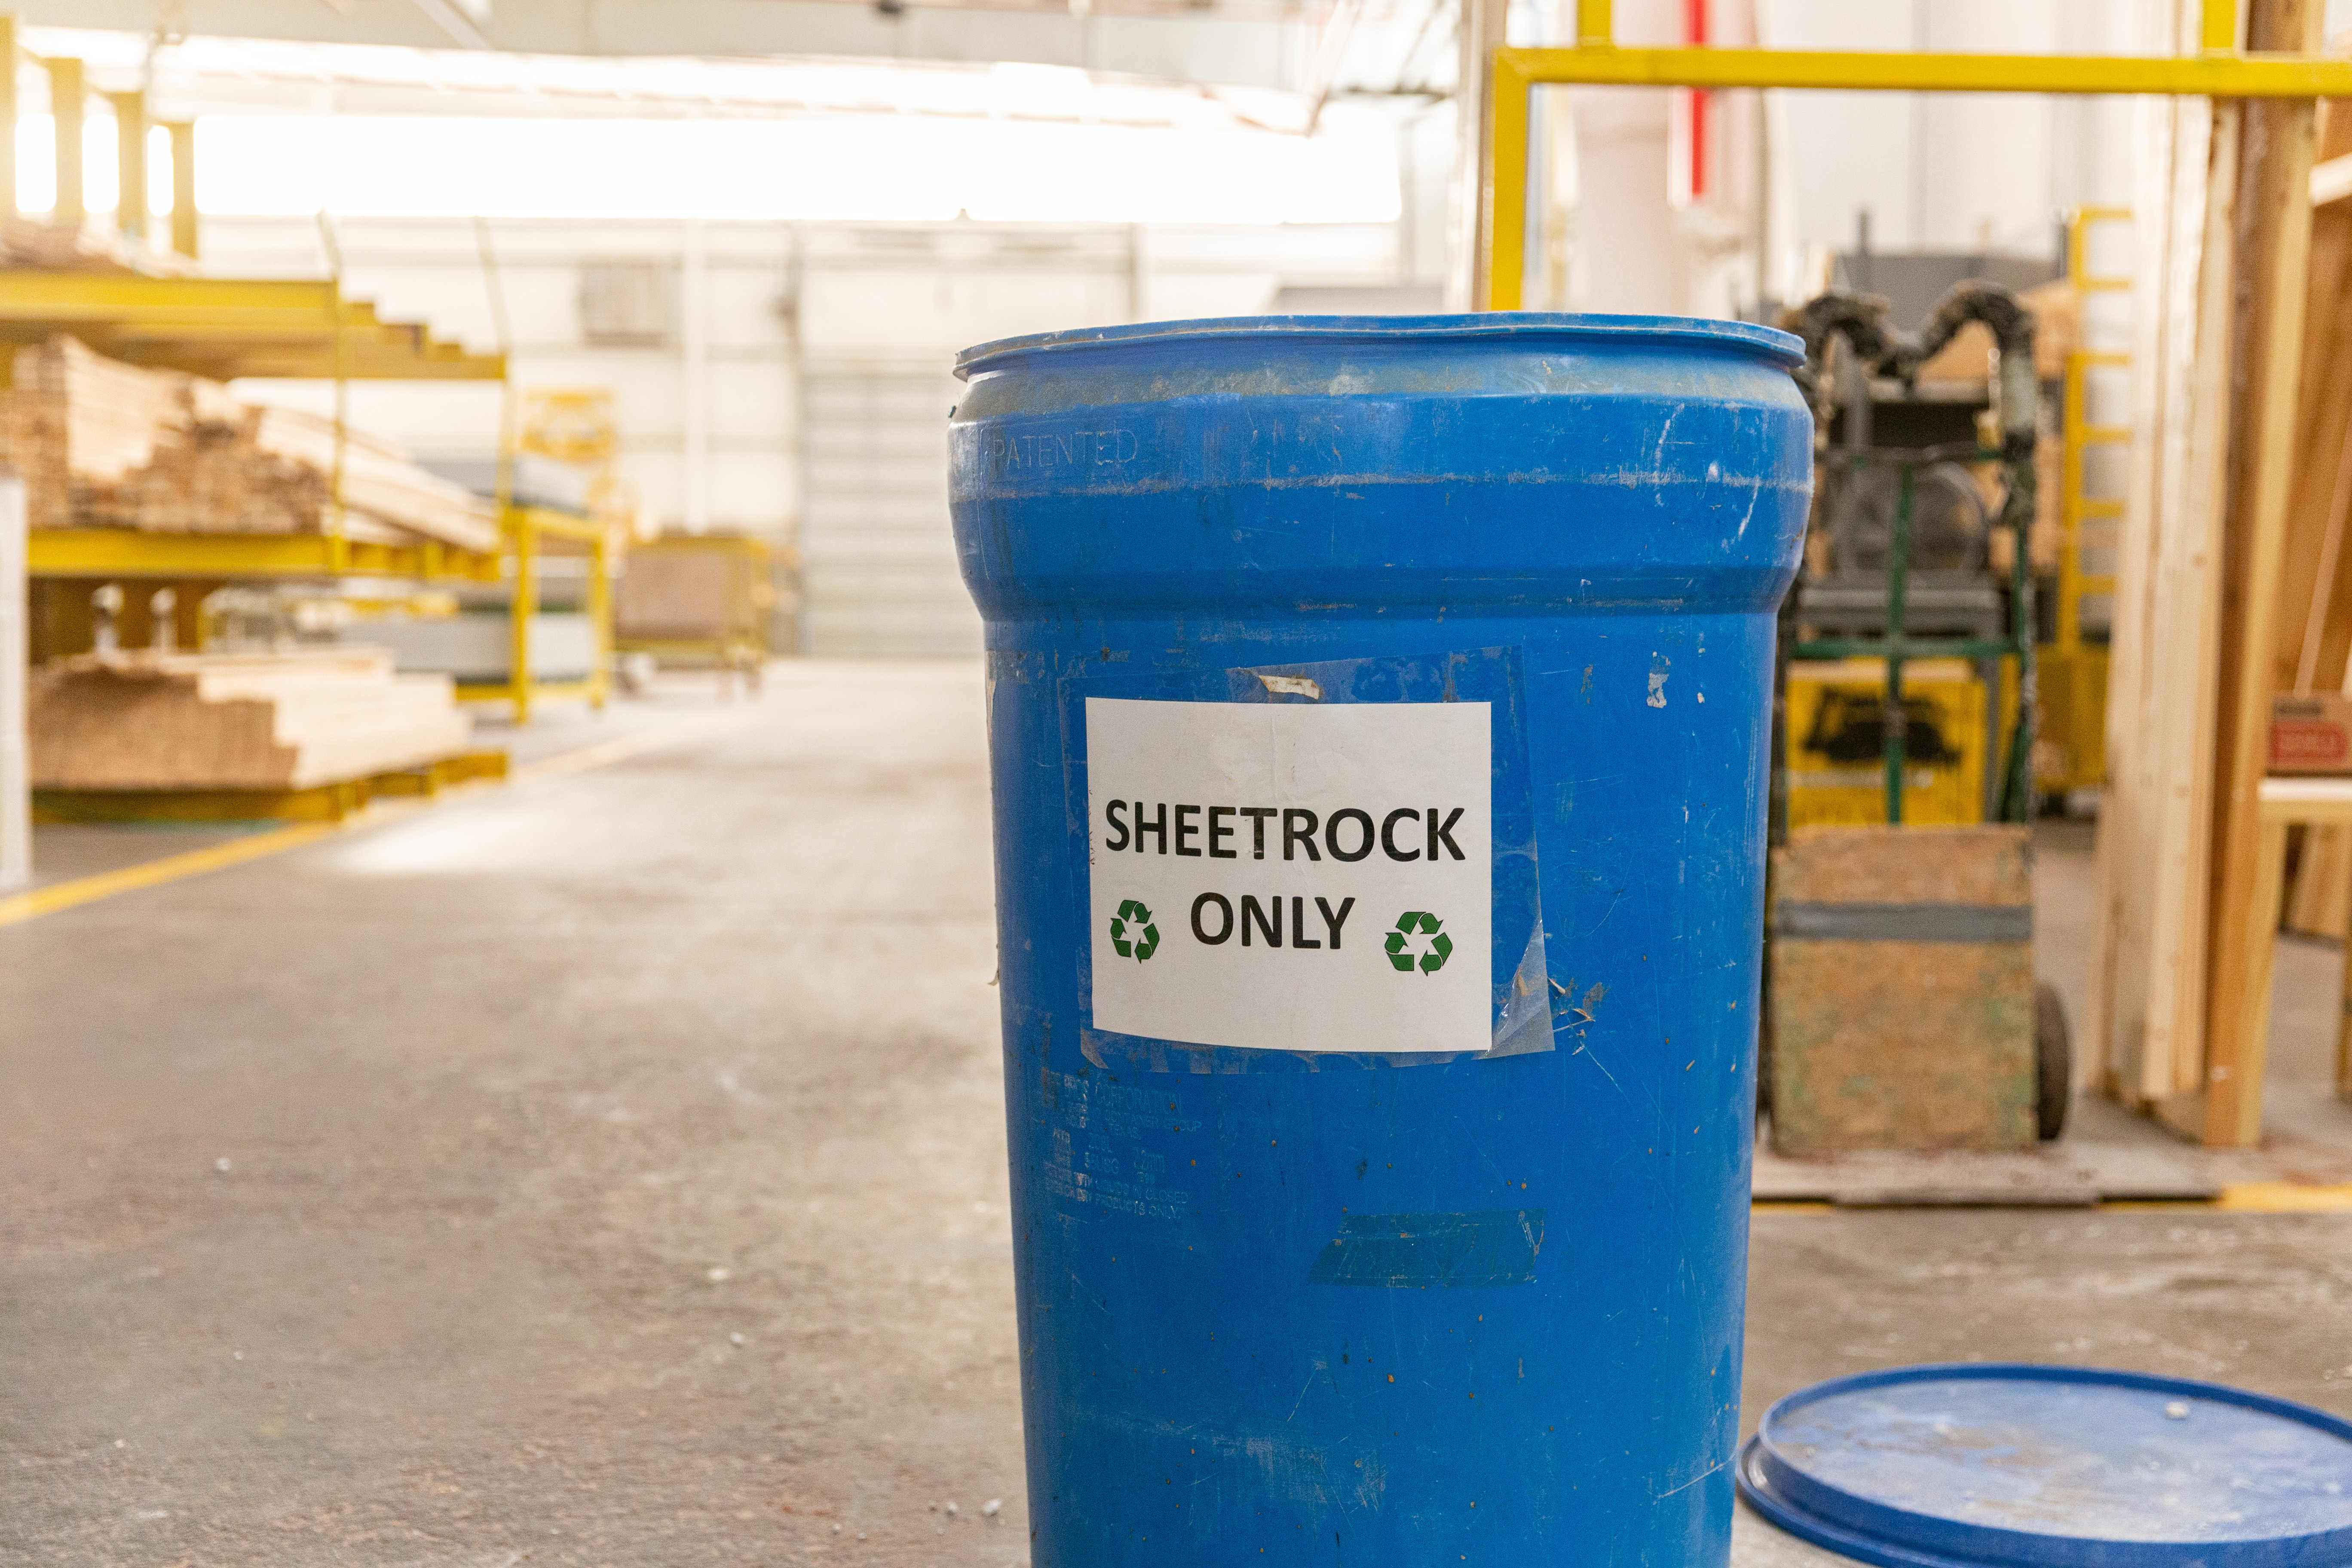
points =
(1145, 943)
(1441, 946)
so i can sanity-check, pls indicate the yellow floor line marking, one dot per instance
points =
(18, 908)
(2285, 1197)
(21, 907)
(2248, 1198)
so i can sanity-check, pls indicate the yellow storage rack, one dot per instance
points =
(229, 327)
(527, 531)
(226, 328)
(110, 552)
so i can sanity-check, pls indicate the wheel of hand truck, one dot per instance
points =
(2054, 1062)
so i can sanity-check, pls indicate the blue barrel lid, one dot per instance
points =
(2052, 1467)
(1766, 342)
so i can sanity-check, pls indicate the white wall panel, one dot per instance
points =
(751, 397)
(751, 490)
(1194, 296)
(883, 310)
(877, 559)
(917, 312)
(1937, 171)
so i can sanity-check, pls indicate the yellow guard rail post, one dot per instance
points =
(2220, 70)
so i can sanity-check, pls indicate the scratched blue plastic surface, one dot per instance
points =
(2055, 1467)
(1536, 1360)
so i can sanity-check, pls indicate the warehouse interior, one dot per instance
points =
(501, 984)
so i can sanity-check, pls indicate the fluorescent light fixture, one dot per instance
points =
(207, 75)
(457, 133)
(876, 167)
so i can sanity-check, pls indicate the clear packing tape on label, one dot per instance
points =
(1523, 999)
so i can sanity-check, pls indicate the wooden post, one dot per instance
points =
(1482, 30)
(2191, 633)
(2273, 237)
(2259, 947)
(2112, 1024)
(67, 98)
(2148, 936)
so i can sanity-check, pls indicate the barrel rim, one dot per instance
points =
(1769, 342)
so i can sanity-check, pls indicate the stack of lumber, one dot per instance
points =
(236, 721)
(75, 421)
(102, 444)
(83, 247)
(2220, 423)
(2314, 620)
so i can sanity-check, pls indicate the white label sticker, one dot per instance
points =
(1290, 876)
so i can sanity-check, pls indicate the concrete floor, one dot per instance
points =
(609, 1169)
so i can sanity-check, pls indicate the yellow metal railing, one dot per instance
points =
(126, 552)
(2073, 673)
(2217, 71)
(2077, 434)
(528, 529)
(2078, 250)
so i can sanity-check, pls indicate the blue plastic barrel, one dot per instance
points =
(1380, 715)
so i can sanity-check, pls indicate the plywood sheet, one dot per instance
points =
(1989, 865)
(1902, 989)
(1894, 1045)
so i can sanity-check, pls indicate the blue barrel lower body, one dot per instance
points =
(1356, 1223)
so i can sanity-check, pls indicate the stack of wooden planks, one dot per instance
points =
(236, 721)
(2314, 630)
(75, 421)
(102, 444)
(86, 246)
(2239, 308)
